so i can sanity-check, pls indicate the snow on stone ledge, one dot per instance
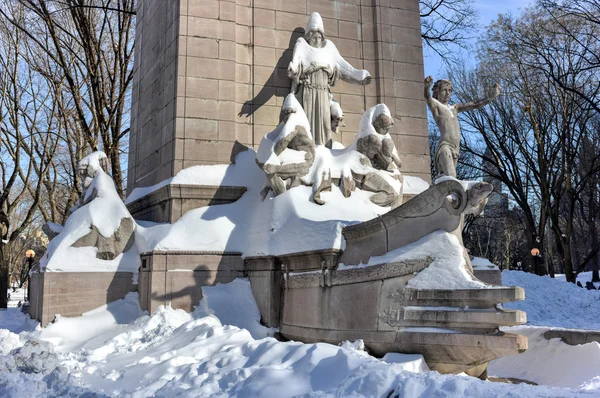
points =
(208, 175)
(447, 271)
(287, 223)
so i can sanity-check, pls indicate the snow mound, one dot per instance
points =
(68, 334)
(233, 304)
(551, 362)
(552, 302)
(175, 354)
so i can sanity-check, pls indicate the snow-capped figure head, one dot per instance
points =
(315, 30)
(376, 120)
(89, 165)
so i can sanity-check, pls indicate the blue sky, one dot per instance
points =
(488, 11)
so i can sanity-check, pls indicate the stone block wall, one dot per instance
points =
(73, 293)
(153, 99)
(176, 278)
(210, 72)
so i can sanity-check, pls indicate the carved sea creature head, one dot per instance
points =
(477, 197)
(442, 90)
(315, 30)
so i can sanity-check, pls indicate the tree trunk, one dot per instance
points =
(3, 278)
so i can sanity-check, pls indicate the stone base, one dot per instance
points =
(71, 294)
(491, 276)
(171, 202)
(266, 277)
(176, 278)
(375, 304)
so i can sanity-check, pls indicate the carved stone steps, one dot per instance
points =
(474, 320)
(444, 351)
(464, 298)
(456, 352)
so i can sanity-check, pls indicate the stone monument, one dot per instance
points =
(212, 72)
(359, 262)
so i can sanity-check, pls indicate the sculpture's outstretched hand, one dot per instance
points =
(428, 81)
(367, 80)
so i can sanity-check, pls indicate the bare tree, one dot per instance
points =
(537, 127)
(86, 46)
(27, 114)
(579, 21)
(447, 22)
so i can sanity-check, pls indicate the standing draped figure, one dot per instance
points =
(316, 66)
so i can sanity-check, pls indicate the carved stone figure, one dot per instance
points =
(286, 153)
(111, 246)
(315, 67)
(446, 118)
(477, 197)
(86, 168)
(374, 169)
(374, 141)
(92, 170)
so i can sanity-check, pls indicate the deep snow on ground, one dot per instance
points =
(553, 302)
(222, 350)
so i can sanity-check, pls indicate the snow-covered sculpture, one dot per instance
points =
(87, 168)
(111, 239)
(315, 67)
(351, 169)
(286, 153)
(337, 116)
(374, 141)
(446, 118)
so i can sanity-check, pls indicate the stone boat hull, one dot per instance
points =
(455, 330)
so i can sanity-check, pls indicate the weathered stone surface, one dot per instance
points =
(266, 276)
(109, 247)
(373, 302)
(247, 53)
(573, 337)
(176, 278)
(491, 276)
(73, 293)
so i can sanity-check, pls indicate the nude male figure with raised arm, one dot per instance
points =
(446, 118)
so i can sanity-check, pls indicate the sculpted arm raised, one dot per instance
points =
(430, 102)
(491, 95)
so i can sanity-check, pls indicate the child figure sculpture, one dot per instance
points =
(446, 118)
